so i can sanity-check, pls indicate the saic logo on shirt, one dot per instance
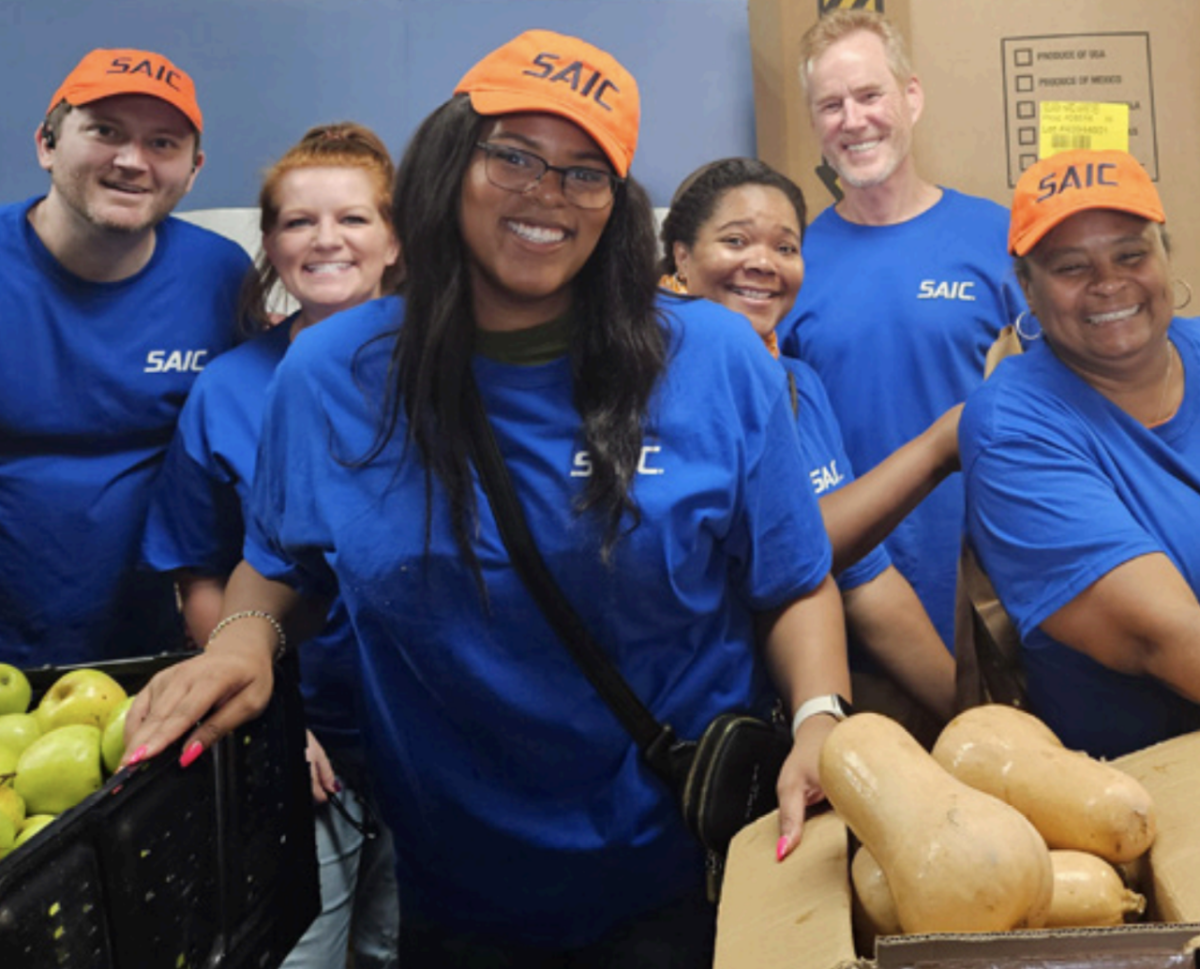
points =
(581, 466)
(932, 289)
(175, 361)
(825, 478)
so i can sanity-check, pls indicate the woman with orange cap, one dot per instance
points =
(1082, 461)
(642, 434)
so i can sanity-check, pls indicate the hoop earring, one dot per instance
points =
(1187, 299)
(1027, 337)
(681, 281)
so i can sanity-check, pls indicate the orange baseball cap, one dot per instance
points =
(104, 73)
(1055, 188)
(544, 71)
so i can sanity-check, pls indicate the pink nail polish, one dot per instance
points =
(337, 786)
(137, 756)
(192, 751)
(781, 847)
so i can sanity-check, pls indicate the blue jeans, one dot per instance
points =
(360, 910)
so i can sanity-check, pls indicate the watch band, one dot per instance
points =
(831, 704)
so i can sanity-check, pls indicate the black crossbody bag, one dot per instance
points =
(722, 781)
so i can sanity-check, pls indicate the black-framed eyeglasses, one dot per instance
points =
(517, 170)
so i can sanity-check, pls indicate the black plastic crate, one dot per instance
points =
(171, 868)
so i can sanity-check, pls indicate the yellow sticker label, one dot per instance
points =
(825, 6)
(1064, 125)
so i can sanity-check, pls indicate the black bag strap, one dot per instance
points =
(657, 741)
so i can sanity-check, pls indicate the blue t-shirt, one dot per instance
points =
(91, 382)
(198, 506)
(1062, 487)
(829, 469)
(896, 320)
(527, 811)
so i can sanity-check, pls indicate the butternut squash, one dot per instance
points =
(1088, 891)
(1074, 800)
(873, 894)
(956, 859)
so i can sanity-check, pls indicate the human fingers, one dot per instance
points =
(243, 702)
(234, 689)
(163, 710)
(800, 783)
(324, 780)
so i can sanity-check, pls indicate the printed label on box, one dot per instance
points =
(1064, 125)
(1103, 69)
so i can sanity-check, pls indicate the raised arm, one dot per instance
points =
(861, 514)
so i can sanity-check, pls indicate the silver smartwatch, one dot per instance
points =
(835, 706)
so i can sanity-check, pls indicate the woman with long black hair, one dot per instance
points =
(645, 436)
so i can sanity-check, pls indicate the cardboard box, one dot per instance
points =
(986, 69)
(798, 914)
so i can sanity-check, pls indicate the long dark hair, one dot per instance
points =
(618, 344)
(701, 192)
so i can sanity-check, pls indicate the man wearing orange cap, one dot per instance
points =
(906, 285)
(109, 308)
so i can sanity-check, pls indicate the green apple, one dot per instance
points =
(8, 834)
(81, 696)
(112, 744)
(15, 691)
(31, 826)
(18, 730)
(12, 804)
(26, 830)
(8, 761)
(60, 769)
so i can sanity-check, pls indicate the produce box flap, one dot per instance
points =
(1170, 771)
(792, 913)
(1150, 945)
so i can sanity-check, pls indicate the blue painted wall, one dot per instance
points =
(266, 70)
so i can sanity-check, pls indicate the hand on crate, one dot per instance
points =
(220, 689)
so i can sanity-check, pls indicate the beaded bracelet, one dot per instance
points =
(256, 614)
